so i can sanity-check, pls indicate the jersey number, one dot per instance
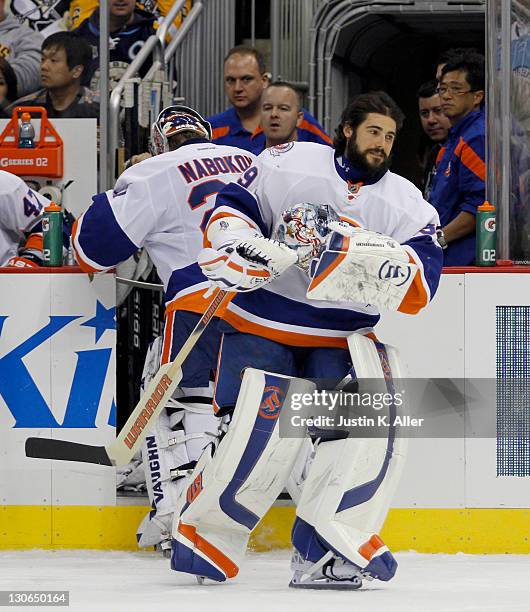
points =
(199, 196)
(31, 208)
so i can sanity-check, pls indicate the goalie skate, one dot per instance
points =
(329, 572)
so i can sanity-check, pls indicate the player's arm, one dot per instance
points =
(462, 225)
(114, 227)
(471, 186)
(425, 253)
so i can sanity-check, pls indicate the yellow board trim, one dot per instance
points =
(425, 530)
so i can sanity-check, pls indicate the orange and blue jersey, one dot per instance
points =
(228, 130)
(459, 182)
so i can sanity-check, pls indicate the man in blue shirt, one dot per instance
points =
(458, 187)
(245, 80)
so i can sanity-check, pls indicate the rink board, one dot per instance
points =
(449, 499)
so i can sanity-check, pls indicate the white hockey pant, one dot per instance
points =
(232, 490)
(351, 482)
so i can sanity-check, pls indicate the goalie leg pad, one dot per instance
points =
(231, 492)
(183, 429)
(170, 452)
(350, 484)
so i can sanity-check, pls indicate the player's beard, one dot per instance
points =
(360, 159)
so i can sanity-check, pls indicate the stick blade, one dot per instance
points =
(46, 448)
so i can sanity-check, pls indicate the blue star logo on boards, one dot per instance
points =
(104, 319)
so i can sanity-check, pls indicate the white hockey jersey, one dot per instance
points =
(20, 211)
(162, 204)
(306, 172)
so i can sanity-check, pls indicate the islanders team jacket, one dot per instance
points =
(459, 182)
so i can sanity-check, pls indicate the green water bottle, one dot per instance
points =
(52, 235)
(486, 236)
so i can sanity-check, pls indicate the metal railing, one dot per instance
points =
(153, 49)
(193, 56)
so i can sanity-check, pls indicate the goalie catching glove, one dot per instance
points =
(246, 265)
(361, 266)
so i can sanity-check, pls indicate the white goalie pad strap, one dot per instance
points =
(231, 493)
(363, 267)
(350, 484)
(300, 470)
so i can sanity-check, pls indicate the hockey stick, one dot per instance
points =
(159, 390)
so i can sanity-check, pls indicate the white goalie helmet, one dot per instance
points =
(304, 228)
(174, 120)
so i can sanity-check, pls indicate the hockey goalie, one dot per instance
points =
(359, 239)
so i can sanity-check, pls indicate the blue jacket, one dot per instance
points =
(459, 182)
(228, 130)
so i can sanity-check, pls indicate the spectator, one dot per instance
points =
(129, 28)
(245, 80)
(8, 86)
(458, 187)
(21, 47)
(281, 113)
(435, 125)
(65, 58)
(452, 55)
(44, 17)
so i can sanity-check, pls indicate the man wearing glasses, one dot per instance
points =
(458, 187)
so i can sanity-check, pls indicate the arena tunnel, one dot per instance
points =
(361, 46)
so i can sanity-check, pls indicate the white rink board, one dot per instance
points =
(80, 161)
(456, 338)
(481, 301)
(431, 345)
(66, 375)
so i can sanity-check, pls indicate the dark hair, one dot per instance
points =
(244, 50)
(10, 78)
(450, 55)
(78, 50)
(357, 110)
(291, 87)
(428, 89)
(473, 65)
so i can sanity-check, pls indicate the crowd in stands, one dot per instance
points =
(57, 66)
(60, 71)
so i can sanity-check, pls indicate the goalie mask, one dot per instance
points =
(175, 120)
(304, 228)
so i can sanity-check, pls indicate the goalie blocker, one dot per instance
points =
(344, 499)
(363, 267)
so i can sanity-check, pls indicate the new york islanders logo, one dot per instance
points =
(271, 403)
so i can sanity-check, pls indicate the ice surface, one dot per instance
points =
(142, 581)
